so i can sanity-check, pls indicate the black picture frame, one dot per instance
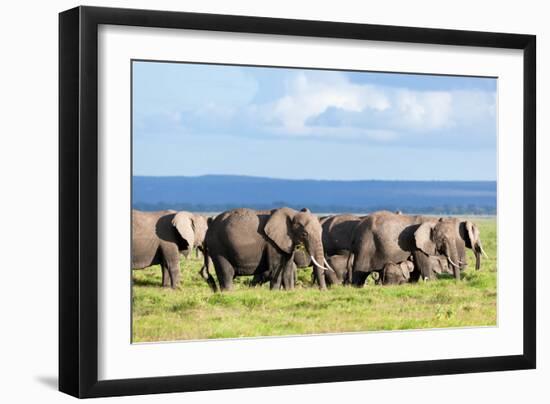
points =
(78, 200)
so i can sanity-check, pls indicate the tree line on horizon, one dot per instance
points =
(446, 209)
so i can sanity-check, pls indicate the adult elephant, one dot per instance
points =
(160, 237)
(385, 237)
(262, 243)
(337, 239)
(338, 233)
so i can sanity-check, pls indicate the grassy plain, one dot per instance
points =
(194, 312)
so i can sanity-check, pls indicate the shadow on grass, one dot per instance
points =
(145, 282)
(451, 277)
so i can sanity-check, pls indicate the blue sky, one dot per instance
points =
(196, 119)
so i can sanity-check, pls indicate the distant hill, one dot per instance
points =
(214, 193)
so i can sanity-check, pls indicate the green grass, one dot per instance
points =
(194, 312)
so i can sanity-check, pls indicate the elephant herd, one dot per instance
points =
(270, 244)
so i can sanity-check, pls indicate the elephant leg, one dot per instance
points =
(225, 272)
(276, 279)
(424, 265)
(415, 275)
(174, 271)
(332, 279)
(205, 274)
(289, 275)
(456, 271)
(277, 266)
(275, 282)
(165, 276)
(320, 275)
(313, 277)
(205, 271)
(346, 278)
(358, 278)
(348, 274)
(258, 279)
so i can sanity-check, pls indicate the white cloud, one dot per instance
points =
(309, 104)
(424, 110)
(307, 98)
(322, 104)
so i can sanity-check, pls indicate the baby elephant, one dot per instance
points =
(397, 274)
(341, 263)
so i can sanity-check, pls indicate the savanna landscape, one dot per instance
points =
(236, 163)
(192, 311)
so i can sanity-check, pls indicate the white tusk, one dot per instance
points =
(452, 263)
(317, 264)
(483, 251)
(328, 266)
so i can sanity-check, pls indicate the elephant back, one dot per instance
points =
(338, 233)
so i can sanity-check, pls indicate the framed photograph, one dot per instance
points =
(249, 201)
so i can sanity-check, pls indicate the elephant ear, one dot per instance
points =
(183, 222)
(200, 225)
(406, 268)
(423, 238)
(472, 233)
(278, 229)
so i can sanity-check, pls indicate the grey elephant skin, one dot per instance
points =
(158, 238)
(302, 258)
(336, 239)
(391, 274)
(262, 243)
(338, 263)
(338, 233)
(385, 237)
(341, 264)
(397, 274)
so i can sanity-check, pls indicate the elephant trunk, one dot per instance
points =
(317, 254)
(452, 256)
(478, 250)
